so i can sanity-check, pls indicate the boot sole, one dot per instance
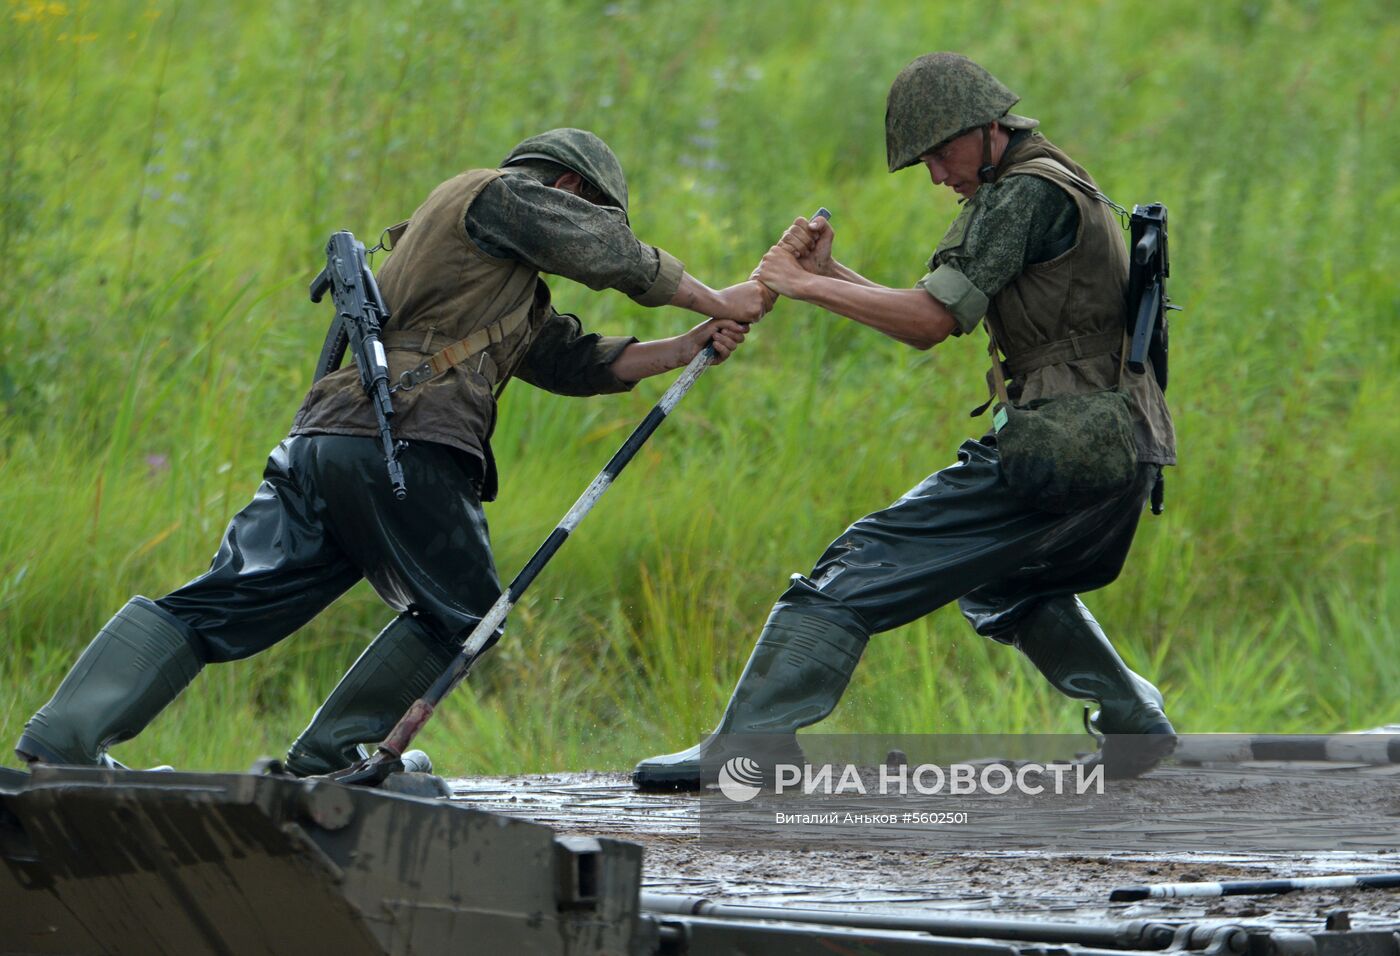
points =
(1147, 752)
(667, 781)
(32, 750)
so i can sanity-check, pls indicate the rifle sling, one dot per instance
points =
(391, 235)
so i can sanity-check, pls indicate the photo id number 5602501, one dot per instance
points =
(938, 818)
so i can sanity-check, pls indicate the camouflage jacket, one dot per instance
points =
(1045, 262)
(442, 283)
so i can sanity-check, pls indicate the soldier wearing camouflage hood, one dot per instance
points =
(465, 271)
(1039, 257)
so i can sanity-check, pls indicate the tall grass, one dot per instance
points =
(171, 172)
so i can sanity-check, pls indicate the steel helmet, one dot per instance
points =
(582, 152)
(940, 96)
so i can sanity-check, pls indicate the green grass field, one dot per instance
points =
(171, 172)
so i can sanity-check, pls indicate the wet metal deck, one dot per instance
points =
(1010, 859)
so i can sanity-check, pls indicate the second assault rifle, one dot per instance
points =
(360, 315)
(1146, 314)
(1147, 291)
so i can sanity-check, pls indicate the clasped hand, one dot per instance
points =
(804, 249)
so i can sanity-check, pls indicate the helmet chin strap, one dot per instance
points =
(985, 171)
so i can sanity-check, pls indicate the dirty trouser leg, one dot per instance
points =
(276, 567)
(957, 529)
(1066, 565)
(1036, 610)
(273, 571)
(428, 557)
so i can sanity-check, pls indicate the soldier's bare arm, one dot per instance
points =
(810, 241)
(911, 316)
(744, 302)
(643, 359)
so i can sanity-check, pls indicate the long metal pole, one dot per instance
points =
(1158, 891)
(386, 758)
(1129, 935)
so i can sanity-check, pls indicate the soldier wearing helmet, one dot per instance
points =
(465, 276)
(1037, 255)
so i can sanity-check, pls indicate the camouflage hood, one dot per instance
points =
(940, 96)
(582, 152)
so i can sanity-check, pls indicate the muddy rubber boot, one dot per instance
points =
(797, 672)
(1066, 644)
(136, 665)
(396, 669)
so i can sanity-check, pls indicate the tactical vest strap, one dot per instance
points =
(1062, 350)
(390, 237)
(1065, 350)
(997, 381)
(1047, 164)
(452, 354)
(1052, 353)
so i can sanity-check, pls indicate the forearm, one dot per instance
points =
(694, 295)
(846, 274)
(744, 302)
(911, 316)
(644, 359)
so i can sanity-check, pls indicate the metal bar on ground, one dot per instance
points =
(1373, 747)
(1131, 935)
(1155, 891)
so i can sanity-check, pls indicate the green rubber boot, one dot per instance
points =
(396, 669)
(136, 665)
(1066, 644)
(797, 672)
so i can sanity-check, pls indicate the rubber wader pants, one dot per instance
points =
(323, 518)
(137, 664)
(957, 535)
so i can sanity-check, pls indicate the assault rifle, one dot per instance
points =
(1146, 315)
(360, 314)
(1147, 291)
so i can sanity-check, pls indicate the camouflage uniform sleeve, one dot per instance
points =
(1005, 227)
(568, 361)
(556, 232)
